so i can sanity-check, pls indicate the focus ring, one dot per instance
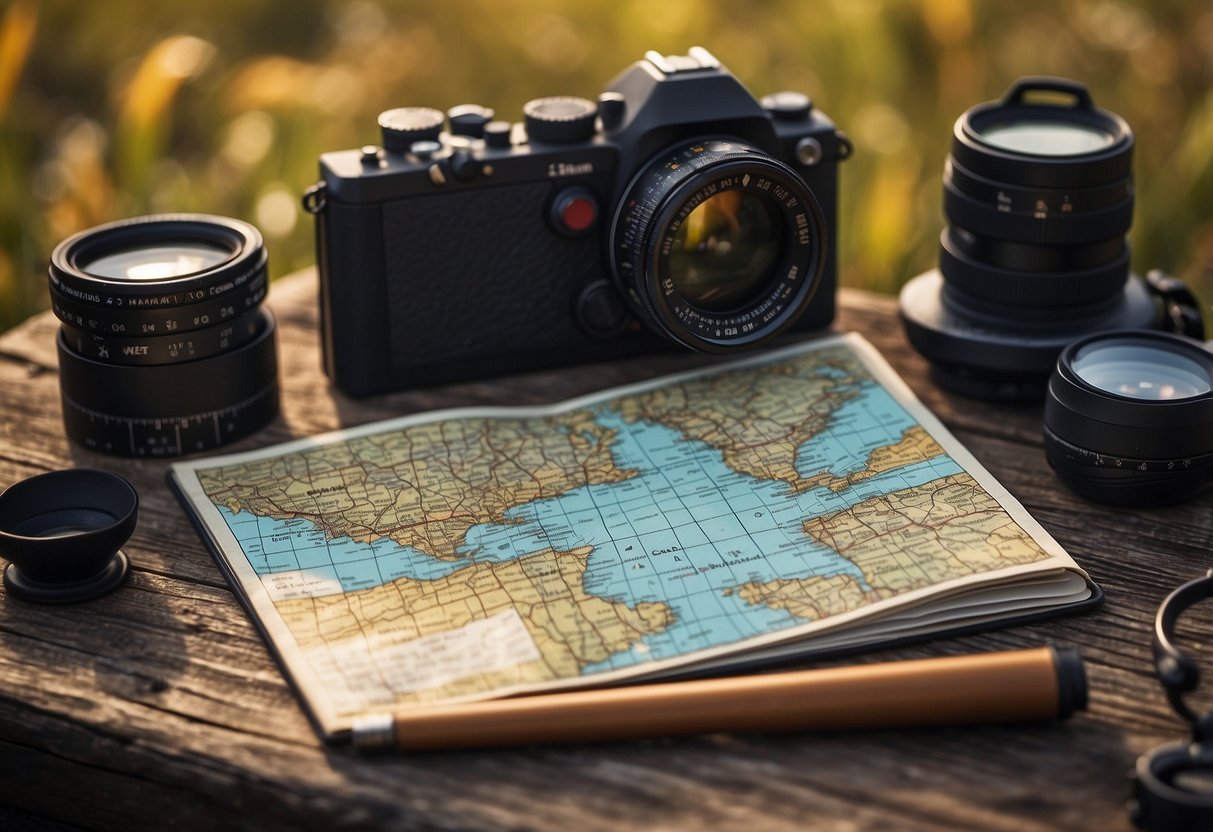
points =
(170, 409)
(1025, 288)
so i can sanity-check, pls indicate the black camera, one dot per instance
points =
(675, 209)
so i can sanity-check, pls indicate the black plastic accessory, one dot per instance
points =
(1161, 801)
(61, 533)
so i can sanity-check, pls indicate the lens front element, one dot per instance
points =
(157, 262)
(1141, 370)
(726, 250)
(1046, 138)
(717, 246)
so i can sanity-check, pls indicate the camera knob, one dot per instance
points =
(612, 107)
(469, 120)
(560, 119)
(497, 134)
(788, 106)
(600, 311)
(403, 126)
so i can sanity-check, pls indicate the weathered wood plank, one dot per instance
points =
(160, 701)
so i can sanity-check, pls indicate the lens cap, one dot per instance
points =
(61, 534)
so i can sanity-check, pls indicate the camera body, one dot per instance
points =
(486, 247)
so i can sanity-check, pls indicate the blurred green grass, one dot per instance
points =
(119, 108)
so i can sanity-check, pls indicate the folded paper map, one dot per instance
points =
(786, 505)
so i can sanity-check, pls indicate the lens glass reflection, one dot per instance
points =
(158, 262)
(726, 250)
(1139, 370)
(1046, 138)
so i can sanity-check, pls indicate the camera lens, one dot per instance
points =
(1129, 417)
(164, 347)
(1038, 195)
(718, 246)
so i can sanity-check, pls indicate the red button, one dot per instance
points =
(577, 213)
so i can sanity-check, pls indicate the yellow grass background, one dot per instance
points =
(117, 108)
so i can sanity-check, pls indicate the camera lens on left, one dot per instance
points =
(164, 348)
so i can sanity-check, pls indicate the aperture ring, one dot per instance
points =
(1050, 226)
(137, 321)
(1113, 465)
(167, 349)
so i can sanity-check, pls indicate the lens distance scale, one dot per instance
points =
(170, 409)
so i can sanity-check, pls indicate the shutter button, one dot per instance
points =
(574, 211)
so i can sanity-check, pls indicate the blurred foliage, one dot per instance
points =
(125, 107)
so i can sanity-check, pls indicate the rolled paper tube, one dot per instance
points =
(1012, 686)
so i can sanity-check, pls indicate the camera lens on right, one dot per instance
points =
(1038, 194)
(1129, 417)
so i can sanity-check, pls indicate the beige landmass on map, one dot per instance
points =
(916, 537)
(748, 414)
(570, 627)
(916, 445)
(426, 485)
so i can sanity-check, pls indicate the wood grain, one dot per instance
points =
(158, 706)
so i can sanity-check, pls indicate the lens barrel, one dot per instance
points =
(1129, 418)
(164, 348)
(717, 246)
(1038, 195)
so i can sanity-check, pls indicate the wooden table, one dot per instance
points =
(158, 706)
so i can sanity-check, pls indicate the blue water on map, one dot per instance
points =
(687, 530)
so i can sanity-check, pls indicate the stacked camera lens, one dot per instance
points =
(164, 348)
(1038, 194)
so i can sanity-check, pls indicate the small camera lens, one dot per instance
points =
(1129, 417)
(164, 349)
(718, 246)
